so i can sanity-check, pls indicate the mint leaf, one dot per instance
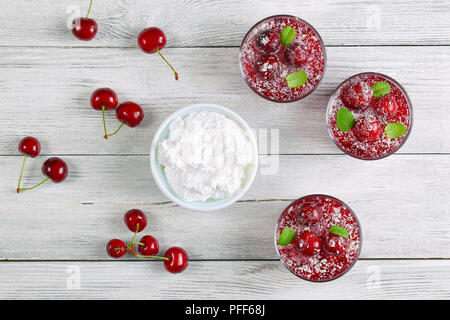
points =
(296, 79)
(340, 231)
(286, 236)
(287, 36)
(380, 88)
(344, 119)
(395, 130)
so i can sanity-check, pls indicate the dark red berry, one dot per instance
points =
(296, 54)
(116, 248)
(309, 243)
(357, 95)
(267, 67)
(335, 244)
(84, 28)
(30, 146)
(178, 260)
(268, 40)
(134, 217)
(104, 97)
(149, 246)
(367, 128)
(130, 113)
(56, 169)
(309, 213)
(152, 39)
(386, 107)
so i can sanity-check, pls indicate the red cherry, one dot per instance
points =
(84, 28)
(357, 95)
(296, 54)
(386, 107)
(116, 248)
(335, 244)
(153, 40)
(308, 213)
(178, 260)
(104, 97)
(130, 113)
(267, 67)
(30, 146)
(309, 243)
(367, 128)
(134, 217)
(150, 246)
(56, 169)
(268, 40)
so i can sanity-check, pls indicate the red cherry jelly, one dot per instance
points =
(315, 254)
(367, 139)
(306, 53)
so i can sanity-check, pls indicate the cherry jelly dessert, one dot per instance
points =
(278, 47)
(369, 116)
(318, 238)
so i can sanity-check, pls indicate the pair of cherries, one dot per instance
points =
(53, 168)
(150, 40)
(175, 258)
(128, 113)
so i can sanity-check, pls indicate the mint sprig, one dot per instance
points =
(380, 88)
(395, 130)
(340, 231)
(296, 79)
(286, 236)
(287, 36)
(345, 119)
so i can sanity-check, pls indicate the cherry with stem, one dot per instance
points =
(85, 28)
(153, 40)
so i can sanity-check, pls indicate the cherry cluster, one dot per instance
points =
(175, 258)
(53, 168)
(128, 113)
(150, 40)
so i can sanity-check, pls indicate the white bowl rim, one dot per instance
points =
(252, 172)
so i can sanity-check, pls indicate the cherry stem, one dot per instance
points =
(89, 11)
(120, 127)
(175, 73)
(21, 172)
(132, 243)
(29, 188)
(104, 123)
(129, 244)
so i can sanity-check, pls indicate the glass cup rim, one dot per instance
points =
(410, 106)
(279, 16)
(352, 213)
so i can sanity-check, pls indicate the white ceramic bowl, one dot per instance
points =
(158, 170)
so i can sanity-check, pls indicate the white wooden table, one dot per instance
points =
(53, 234)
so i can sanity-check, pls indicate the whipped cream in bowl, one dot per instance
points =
(204, 157)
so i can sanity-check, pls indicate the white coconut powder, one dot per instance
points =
(205, 156)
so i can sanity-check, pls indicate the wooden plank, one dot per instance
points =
(225, 22)
(220, 280)
(45, 92)
(402, 203)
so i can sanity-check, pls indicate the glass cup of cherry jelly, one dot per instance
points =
(265, 62)
(315, 216)
(367, 139)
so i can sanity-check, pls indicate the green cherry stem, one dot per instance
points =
(89, 11)
(174, 72)
(131, 242)
(29, 188)
(104, 123)
(141, 256)
(21, 172)
(111, 134)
